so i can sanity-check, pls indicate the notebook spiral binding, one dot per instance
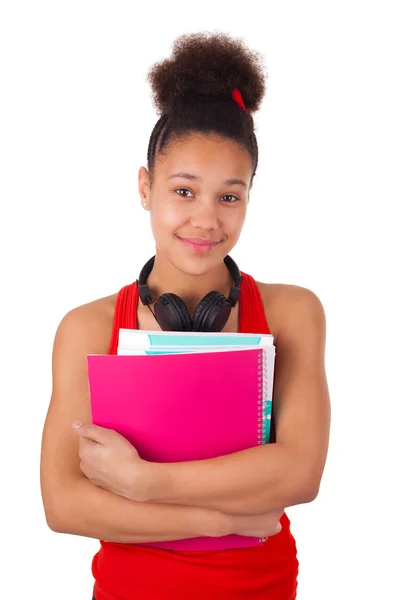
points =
(264, 419)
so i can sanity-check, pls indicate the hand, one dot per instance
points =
(263, 525)
(109, 460)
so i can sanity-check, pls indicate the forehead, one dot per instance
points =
(206, 155)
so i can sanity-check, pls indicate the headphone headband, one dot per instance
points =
(144, 291)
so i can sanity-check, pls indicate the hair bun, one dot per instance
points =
(208, 64)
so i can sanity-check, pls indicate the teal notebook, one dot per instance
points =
(148, 339)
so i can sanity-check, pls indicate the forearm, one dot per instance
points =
(252, 481)
(94, 512)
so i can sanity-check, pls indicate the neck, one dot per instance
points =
(165, 277)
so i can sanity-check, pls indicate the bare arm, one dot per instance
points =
(72, 503)
(91, 511)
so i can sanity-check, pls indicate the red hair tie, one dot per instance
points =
(237, 96)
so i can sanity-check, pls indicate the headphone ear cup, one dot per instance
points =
(172, 314)
(212, 312)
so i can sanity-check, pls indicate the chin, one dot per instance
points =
(194, 263)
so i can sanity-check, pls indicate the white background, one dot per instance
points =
(76, 116)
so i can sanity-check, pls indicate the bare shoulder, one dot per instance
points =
(100, 308)
(286, 304)
(92, 322)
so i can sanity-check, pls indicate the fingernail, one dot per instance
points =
(77, 424)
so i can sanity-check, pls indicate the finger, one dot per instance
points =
(90, 431)
(87, 443)
(84, 449)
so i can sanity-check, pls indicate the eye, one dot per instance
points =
(184, 189)
(230, 196)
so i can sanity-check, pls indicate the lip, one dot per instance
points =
(199, 244)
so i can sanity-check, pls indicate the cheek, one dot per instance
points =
(233, 223)
(166, 218)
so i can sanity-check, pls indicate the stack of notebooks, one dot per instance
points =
(186, 396)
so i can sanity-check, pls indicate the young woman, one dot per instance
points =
(202, 158)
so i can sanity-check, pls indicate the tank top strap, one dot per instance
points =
(252, 317)
(125, 313)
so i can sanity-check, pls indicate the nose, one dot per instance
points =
(205, 215)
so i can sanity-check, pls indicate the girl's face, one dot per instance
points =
(209, 206)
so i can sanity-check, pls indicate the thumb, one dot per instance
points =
(89, 431)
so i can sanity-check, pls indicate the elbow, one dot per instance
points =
(53, 521)
(299, 493)
(309, 491)
(309, 482)
(303, 488)
(61, 507)
(55, 518)
(310, 495)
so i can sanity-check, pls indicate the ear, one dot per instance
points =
(144, 187)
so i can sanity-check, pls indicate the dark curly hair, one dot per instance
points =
(192, 92)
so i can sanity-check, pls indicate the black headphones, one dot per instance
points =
(171, 313)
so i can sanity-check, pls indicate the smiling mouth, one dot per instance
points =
(199, 244)
(199, 241)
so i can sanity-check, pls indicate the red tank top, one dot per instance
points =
(129, 572)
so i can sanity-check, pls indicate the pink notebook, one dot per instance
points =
(183, 407)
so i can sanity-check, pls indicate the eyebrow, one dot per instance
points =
(197, 178)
